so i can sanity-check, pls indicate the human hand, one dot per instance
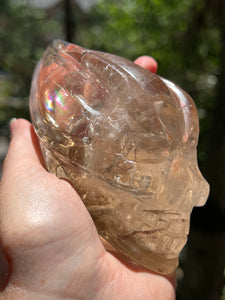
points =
(50, 244)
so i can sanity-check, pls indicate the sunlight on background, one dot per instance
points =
(45, 4)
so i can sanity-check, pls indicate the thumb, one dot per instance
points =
(24, 148)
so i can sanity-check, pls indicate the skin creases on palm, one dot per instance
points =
(126, 140)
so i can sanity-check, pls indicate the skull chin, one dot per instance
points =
(154, 249)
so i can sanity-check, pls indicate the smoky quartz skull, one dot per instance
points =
(126, 140)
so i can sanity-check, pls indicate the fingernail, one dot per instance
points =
(12, 124)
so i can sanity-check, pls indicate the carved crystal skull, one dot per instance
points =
(126, 140)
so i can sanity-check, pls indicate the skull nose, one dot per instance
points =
(183, 178)
(200, 190)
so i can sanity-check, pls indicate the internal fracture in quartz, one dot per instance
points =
(126, 140)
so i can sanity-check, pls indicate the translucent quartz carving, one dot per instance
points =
(126, 140)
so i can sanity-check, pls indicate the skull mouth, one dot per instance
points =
(163, 234)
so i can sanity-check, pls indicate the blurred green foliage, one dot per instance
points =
(186, 51)
(24, 33)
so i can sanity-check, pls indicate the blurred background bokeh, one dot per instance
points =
(187, 38)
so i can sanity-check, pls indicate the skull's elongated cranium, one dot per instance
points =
(126, 139)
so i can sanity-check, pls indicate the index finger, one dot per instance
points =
(147, 62)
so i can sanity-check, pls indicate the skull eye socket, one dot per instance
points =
(152, 150)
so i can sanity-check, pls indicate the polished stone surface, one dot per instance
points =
(126, 140)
